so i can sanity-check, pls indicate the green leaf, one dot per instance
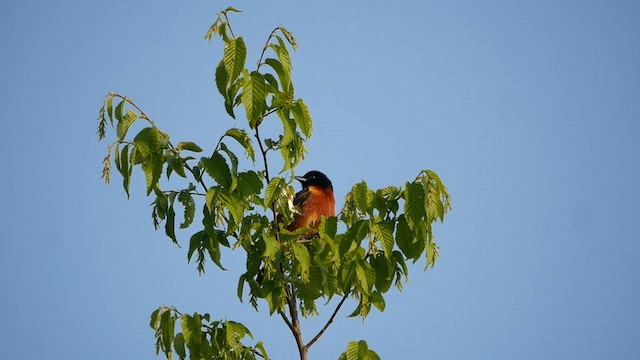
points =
(360, 193)
(153, 323)
(212, 196)
(302, 255)
(190, 146)
(273, 191)
(222, 79)
(125, 123)
(384, 273)
(216, 166)
(213, 247)
(169, 225)
(249, 183)
(109, 107)
(283, 55)
(358, 350)
(236, 331)
(175, 164)
(178, 345)
(152, 168)
(120, 109)
(414, 204)
(378, 301)
(235, 54)
(384, 233)
(254, 97)
(192, 332)
(366, 276)
(285, 77)
(431, 253)
(243, 139)
(194, 243)
(126, 169)
(186, 199)
(147, 141)
(405, 239)
(263, 352)
(302, 117)
(167, 326)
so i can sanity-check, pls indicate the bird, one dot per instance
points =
(315, 200)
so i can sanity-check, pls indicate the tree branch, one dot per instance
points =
(326, 326)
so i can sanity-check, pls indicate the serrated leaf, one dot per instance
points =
(384, 233)
(125, 123)
(283, 54)
(153, 323)
(243, 139)
(414, 204)
(126, 169)
(109, 107)
(235, 54)
(222, 79)
(186, 199)
(152, 168)
(431, 253)
(405, 239)
(216, 166)
(194, 243)
(192, 332)
(302, 117)
(213, 248)
(384, 273)
(169, 225)
(263, 352)
(147, 141)
(176, 164)
(178, 345)
(378, 301)
(366, 276)
(234, 164)
(254, 97)
(190, 146)
(120, 109)
(285, 77)
(167, 324)
(302, 256)
(249, 183)
(360, 192)
(273, 191)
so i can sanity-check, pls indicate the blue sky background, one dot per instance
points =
(529, 111)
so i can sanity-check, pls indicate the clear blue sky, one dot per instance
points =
(529, 111)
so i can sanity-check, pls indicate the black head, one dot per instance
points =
(316, 178)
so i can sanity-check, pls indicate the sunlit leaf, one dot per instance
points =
(235, 53)
(302, 117)
(188, 145)
(254, 97)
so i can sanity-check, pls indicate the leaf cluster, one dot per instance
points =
(198, 337)
(248, 210)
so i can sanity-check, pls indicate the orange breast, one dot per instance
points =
(319, 203)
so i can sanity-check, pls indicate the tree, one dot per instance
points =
(247, 210)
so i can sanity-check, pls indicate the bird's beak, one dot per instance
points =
(300, 178)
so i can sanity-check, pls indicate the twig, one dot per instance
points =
(326, 326)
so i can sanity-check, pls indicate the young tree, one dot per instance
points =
(248, 210)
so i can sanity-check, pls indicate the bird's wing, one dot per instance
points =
(301, 197)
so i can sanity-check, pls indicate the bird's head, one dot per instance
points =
(315, 178)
